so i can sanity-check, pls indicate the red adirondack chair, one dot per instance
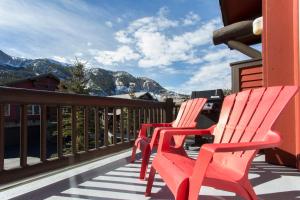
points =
(186, 118)
(244, 127)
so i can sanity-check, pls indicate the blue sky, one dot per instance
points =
(168, 41)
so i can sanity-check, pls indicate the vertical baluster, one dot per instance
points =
(74, 130)
(106, 126)
(153, 115)
(23, 136)
(157, 115)
(164, 115)
(59, 132)
(86, 129)
(97, 127)
(114, 131)
(140, 118)
(176, 112)
(43, 132)
(149, 115)
(128, 124)
(2, 137)
(134, 122)
(122, 125)
(145, 116)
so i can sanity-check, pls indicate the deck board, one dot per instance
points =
(116, 178)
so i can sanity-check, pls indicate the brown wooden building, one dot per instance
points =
(47, 82)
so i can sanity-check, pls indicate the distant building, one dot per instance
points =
(47, 82)
(136, 95)
(42, 82)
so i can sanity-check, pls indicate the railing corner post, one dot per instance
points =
(169, 104)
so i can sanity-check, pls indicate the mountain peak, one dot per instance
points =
(101, 82)
(4, 58)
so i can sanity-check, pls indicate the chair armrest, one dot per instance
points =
(144, 127)
(157, 125)
(166, 136)
(272, 139)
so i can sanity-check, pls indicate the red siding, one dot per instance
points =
(251, 77)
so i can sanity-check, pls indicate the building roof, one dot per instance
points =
(34, 78)
(236, 10)
(137, 95)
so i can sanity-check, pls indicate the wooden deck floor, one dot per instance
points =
(115, 178)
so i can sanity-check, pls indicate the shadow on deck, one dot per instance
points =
(115, 178)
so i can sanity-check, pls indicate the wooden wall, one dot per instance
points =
(247, 74)
(281, 67)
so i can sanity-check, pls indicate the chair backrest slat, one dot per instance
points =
(263, 108)
(283, 98)
(179, 115)
(248, 115)
(195, 110)
(236, 113)
(189, 117)
(252, 104)
(185, 115)
(188, 113)
(224, 115)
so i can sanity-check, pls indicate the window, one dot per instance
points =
(33, 110)
(7, 110)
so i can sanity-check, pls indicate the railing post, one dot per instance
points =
(128, 123)
(122, 125)
(134, 122)
(106, 126)
(74, 130)
(169, 104)
(43, 133)
(114, 131)
(59, 132)
(86, 129)
(23, 136)
(2, 137)
(97, 128)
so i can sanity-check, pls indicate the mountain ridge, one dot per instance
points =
(101, 82)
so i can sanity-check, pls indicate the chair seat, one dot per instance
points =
(185, 164)
(174, 174)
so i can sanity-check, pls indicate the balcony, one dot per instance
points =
(92, 161)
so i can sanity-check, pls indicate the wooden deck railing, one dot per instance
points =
(97, 126)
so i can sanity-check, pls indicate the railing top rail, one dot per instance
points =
(29, 96)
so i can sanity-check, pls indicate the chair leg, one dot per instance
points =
(150, 181)
(249, 189)
(145, 161)
(133, 153)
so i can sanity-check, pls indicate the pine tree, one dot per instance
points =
(77, 83)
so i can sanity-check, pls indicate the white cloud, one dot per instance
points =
(78, 54)
(60, 59)
(109, 24)
(190, 19)
(122, 54)
(158, 49)
(46, 27)
(215, 73)
(158, 44)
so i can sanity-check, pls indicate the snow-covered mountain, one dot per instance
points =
(101, 82)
